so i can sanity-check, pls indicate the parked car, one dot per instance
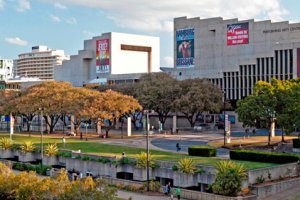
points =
(70, 133)
(201, 127)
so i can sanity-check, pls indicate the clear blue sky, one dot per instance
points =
(64, 24)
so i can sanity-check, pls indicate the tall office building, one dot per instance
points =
(235, 54)
(6, 69)
(39, 63)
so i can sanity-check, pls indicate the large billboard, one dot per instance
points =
(185, 48)
(102, 56)
(238, 33)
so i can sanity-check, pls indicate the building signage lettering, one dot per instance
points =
(279, 30)
(185, 48)
(237, 34)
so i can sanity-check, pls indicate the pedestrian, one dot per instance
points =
(168, 188)
(178, 147)
(178, 193)
(80, 175)
(64, 142)
(123, 155)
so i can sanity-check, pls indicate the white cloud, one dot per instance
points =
(55, 18)
(153, 16)
(16, 41)
(1, 4)
(60, 6)
(71, 21)
(168, 61)
(89, 33)
(23, 5)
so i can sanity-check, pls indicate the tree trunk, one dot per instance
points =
(282, 134)
(269, 136)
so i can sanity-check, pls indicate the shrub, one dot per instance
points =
(296, 143)
(204, 151)
(51, 150)
(104, 160)
(27, 147)
(260, 156)
(260, 179)
(186, 165)
(229, 178)
(153, 185)
(85, 158)
(174, 168)
(64, 154)
(5, 143)
(142, 161)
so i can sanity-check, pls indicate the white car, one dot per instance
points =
(70, 133)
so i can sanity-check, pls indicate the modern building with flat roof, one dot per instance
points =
(235, 54)
(39, 63)
(111, 58)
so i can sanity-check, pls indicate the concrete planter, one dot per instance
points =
(185, 180)
(9, 153)
(50, 160)
(140, 174)
(28, 157)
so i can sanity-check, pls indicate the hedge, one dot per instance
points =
(260, 156)
(296, 143)
(204, 151)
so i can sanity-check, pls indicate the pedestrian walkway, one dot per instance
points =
(137, 196)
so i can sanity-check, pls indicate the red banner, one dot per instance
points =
(237, 34)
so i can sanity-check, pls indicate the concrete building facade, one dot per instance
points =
(111, 58)
(6, 69)
(235, 54)
(39, 63)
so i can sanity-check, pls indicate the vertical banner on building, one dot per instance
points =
(237, 34)
(185, 48)
(298, 63)
(102, 56)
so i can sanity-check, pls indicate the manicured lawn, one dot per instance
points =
(96, 147)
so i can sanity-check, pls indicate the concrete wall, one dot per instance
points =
(273, 188)
(277, 172)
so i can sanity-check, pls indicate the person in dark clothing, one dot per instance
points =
(178, 148)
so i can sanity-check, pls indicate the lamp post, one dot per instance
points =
(86, 125)
(224, 104)
(147, 142)
(42, 155)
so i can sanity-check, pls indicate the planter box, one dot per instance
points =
(28, 157)
(9, 153)
(50, 160)
(185, 180)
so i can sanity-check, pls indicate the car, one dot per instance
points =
(201, 127)
(70, 133)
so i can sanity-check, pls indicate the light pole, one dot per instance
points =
(41, 136)
(86, 125)
(147, 137)
(224, 104)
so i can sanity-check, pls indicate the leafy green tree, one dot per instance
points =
(197, 96)
(158, 92)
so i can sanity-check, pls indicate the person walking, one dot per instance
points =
(178, 193)
(178, 147)
(64, 142)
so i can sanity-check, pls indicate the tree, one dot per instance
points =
(197, 96)
(278, 99)
(129, 89)
(108, 107)
(158, 91)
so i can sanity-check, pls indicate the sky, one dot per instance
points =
(65, 24)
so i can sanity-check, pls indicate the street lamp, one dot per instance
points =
(224, 104)
(147, 142)
(41, 136)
